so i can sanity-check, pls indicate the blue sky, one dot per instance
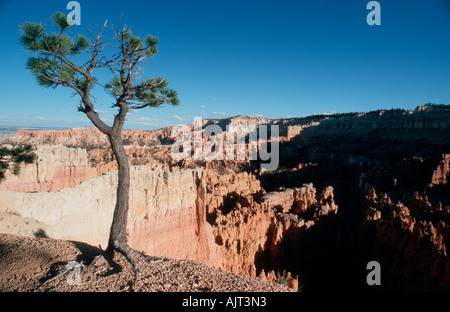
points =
(260, 58)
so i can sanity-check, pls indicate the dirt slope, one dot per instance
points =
(37, 264)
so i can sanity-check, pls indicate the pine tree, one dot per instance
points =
(57, 61)
(15, 156)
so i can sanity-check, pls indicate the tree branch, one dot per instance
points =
(62, 57)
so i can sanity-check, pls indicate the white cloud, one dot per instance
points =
(219, 113)
(177, 117)
(146, 119)
(332, 112)
(202, 106)
(143, 123)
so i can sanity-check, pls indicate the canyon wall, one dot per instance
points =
(84, 212)
(409, 245)
(442, 172)
(55, 167)
(221, 220)
(89, 136)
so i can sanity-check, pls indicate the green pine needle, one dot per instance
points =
(59, 20)
(51, 67)
(31, 36)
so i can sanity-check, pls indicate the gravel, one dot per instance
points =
(44, 264)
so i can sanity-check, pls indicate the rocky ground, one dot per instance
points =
(40, 265)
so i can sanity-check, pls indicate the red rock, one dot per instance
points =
(414, 248)
(442, 172)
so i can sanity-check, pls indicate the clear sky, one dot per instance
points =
(273, 58)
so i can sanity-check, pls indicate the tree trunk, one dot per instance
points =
(118, 232)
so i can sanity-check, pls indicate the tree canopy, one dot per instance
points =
(53, 65)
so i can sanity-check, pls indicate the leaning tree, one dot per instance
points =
(61, 59)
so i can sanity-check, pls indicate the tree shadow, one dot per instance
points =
(40, 233)
(89, 253)
(52, 272)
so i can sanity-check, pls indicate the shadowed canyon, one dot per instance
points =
(349, 189)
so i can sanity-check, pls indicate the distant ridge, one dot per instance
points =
(7, 132)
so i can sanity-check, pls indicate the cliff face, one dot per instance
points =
(442, 172)
(168, 217)
(56, 167)
(413, 245)
(84, 212)
(88, 136)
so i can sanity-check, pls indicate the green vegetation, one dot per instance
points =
(240, 168)
(221, 168)
(15, 156)
(282, 278)
(87, 146)
(440, 106)
(200, 163)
